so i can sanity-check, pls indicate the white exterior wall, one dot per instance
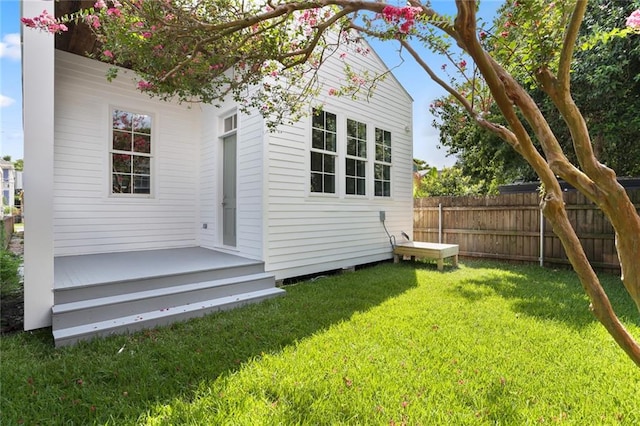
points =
(309, 232)
(87, 218)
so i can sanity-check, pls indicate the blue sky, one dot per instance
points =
(409, 74)
(10, 80)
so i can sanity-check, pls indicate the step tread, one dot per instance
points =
(159, 292)
(115, 323)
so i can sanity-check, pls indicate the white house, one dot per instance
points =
(7, 185)
(141, 212)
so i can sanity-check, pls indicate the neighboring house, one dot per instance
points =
(140, 211)
(7, 185)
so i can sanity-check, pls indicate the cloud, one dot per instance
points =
(6, 101)
(10, 46)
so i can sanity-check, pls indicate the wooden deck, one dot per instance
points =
(418, 249)
(103, 294)
(92, 269)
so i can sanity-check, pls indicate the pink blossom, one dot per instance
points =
(92, 20)
(332, 92)
(633, 21)
(108, 54)
(144, 85)
(112, 11)
(147, 34)
(463, 64)
(483, 35)
(100, 4)
(44, 22)
(343, 55)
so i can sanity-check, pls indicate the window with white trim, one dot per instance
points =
(323, 152)
(382, 164)
(355, 161)
(130, 153)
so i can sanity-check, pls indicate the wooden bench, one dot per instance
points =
(418, 249)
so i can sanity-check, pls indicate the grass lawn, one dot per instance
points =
(484, 344)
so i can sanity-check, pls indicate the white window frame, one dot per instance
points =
(325, 153)
(384, 162)
(362, 158)
(113, 151)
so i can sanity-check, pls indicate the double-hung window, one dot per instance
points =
(323, 152)
(130, 153)
(382, 164)
(355, 161)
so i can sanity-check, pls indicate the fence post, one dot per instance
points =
(439, 223)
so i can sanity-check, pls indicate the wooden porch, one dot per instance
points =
(102, 294)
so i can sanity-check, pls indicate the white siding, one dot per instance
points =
(309, 233)
(87, 219)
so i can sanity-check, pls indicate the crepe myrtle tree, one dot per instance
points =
(265, 55)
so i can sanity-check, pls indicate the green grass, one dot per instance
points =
(485, 344)
(9, 278)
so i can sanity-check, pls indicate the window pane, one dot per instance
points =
(329, 184)
(386, 173)
(378, 188)
(121, 141)
(362, 130)
(316, 162)
(377, 172)
(361, 187)
(141, 165)
(362, 149)
(386, 189)
(141, 184)
(352, 147)
(121, 184)
(121, 163)
(360, 168)
(379, 152)
(329, 163)
(351, 186)
(122, 120)
(352, 128)
(387, 154)
(142, 143)
(331, 142)
(318, 119)
(351, 167)
(331, 122)
(316, 182)
(317, 139)
(141, 123)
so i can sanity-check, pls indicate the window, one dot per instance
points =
(130, 153)
(323, 152)
(356, 165)
(230, 123)
(382, 166)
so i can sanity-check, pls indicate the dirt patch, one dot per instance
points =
(12, 306)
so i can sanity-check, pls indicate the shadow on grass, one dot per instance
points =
(116, 379)
(544, 293)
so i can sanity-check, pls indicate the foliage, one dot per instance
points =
(19, 164)
(9, 277)
(450, 181)
(605, 86)
(476, 345)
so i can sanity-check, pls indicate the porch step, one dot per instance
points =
(146, 281)
(163, 316)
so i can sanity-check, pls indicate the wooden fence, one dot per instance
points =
(509, 227)
(6, 230)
